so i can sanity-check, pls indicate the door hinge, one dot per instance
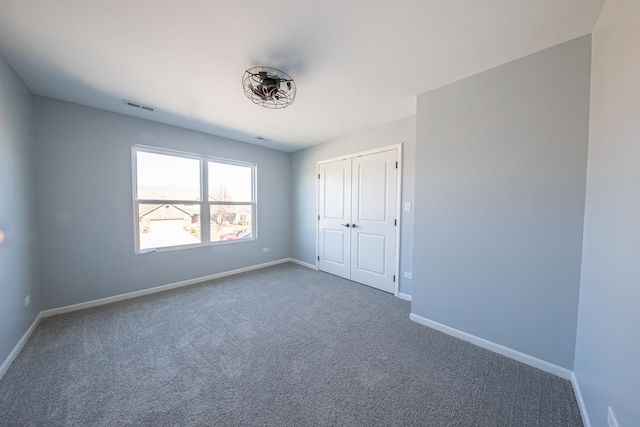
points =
(318, 257)
(396, 165)
(318, 176)
(394, 279)
(318, 217)
(395, 222)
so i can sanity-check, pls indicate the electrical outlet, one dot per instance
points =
(27, 300)
(408, 275)
(611, 419)
(265, 249)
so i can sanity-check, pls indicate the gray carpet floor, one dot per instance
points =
(281, 346)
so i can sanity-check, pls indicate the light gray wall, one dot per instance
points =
(304, 188)
(500, 196)
(17, 253)
(85, 208)
(608, 343)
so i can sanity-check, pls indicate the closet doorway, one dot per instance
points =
(358, 217)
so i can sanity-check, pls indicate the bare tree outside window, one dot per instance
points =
(220, 194)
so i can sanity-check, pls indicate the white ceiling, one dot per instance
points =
(357, 63)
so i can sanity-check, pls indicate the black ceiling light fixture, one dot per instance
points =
(269, 87)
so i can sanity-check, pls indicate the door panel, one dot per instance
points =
(334, 243)
(372, 253)
(334, 185)
(374, 215)
(372, 194)
(334, 204)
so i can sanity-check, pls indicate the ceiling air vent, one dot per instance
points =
(138, 105)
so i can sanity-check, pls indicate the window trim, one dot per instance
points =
(204, 203)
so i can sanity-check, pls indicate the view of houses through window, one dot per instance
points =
(169, 199)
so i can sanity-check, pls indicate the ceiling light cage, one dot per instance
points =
(269, 87)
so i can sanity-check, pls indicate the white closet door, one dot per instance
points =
(357, 219)
(335, 218)
(373, 218)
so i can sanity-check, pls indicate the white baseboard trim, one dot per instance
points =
(16, 350)
(583, 408)
(404, 296)
(304, 264)
(543, 365)
(129, 295)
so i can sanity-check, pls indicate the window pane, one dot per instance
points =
(168, 225)
(163, 177)
(231, 222)
(230, 183)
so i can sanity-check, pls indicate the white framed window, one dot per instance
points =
(185, 200)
